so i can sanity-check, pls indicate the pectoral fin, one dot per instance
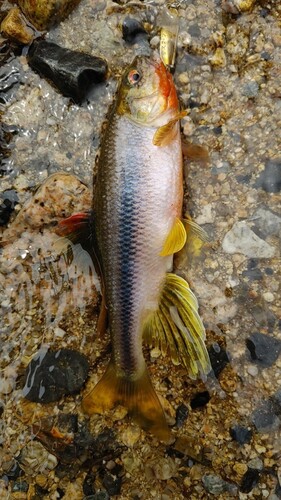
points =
(165, 134)
(176, 326)
(175, 240)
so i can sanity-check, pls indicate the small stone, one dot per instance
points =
(112, 484)
(164, 468)
(250, 89)
(244, 5)
(99, 495)
(14, 27)
(266, 223)
(270, 178)
(131, 436)
(155, 41)
(264, 417)
(268, 296)
(52, 374)
(181, 415)
(240, 434)
(131, 29)
(214, 484)
(253, 370)
(241, 239)
(218, 60)
(34, 459)
(240, 469)
(255, 463)
(200, 400)
(8, 201)
(250, 480)
(264, 349)
(45, 13)
(218, 358)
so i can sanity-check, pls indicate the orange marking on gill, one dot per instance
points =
(166, 86)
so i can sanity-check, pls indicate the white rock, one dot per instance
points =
(241, 239)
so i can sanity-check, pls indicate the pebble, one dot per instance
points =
(266, 222)
(218, 357)
(241, 239)
(216, 485)
(164, 468)
(218, 59)
(34, 459)
(255, 463)
(8, 201)
(52, 374)
(45, 13)
(270, 178)
(268, 296)
(132, 29)
(181, 415)
(253, 370)
(264, 349)
(131, 436)
(241, 434)
(250, 89)
(264, 417)
(112, 484)
(15, 28)
(249, 480)
(200, 400)
(99, 495)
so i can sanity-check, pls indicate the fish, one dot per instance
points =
(134, 228)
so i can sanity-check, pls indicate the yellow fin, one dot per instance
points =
(175, 240)
(165, 134)
(137, 395)
(196, 237)
(182, 331)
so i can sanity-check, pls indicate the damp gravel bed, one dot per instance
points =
(227, 431)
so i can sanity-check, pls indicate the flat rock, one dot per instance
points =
(241, 239)
(266, 222)
(53, 374)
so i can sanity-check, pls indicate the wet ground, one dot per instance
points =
(226, 432)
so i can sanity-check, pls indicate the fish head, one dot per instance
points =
(147, 93)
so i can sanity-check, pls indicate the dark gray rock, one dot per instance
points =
(240, 434)
(73, 73)
(112, 484)
(265, 417)
(181, 415)
(270, 178)
(200, 399)
(218, 357)
(53, 374)
(132, 29)
(264, 349)
(216, 485)
(8, 201)
(249, 480)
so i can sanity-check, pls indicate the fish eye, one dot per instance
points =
(134, 77)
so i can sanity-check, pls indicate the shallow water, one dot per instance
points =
(235, 110)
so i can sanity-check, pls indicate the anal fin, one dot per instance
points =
(136, 394)
(181, 329)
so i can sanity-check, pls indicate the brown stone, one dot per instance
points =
(13, 26)
(45, 13)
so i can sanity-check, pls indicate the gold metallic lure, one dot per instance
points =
(136, 227)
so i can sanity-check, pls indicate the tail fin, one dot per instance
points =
(137, 395)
